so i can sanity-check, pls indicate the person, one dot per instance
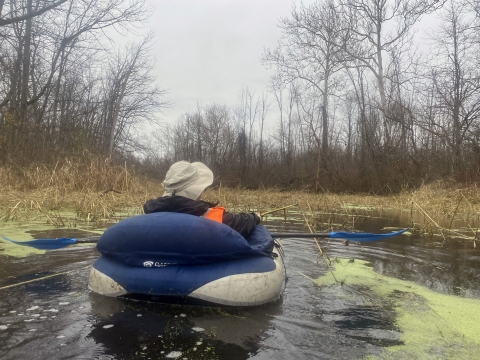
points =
(184, 186)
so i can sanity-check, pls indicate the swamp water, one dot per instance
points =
(402, 298)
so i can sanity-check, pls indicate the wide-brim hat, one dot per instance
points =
(187, 179)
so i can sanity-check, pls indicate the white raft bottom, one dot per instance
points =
(250, 289)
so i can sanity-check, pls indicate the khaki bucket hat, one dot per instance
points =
(187, 179)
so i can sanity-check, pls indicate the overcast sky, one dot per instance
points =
(207, 50)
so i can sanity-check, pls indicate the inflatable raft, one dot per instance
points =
(184, 256)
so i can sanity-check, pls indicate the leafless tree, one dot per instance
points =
(454, 83)
(247, 115)
(264, 105)
(307, 52)
(132, 95)
(13, 12)
(52, 53)
(375, 28)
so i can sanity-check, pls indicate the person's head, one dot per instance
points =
(187, 179)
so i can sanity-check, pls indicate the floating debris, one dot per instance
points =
(52, 310)
(199, 329)
(198, 343)
(13, 312)
(43, 317)
(60, 336)
(173, 354)
(31, 330)
(108, 326)
(183, 315)
(35, 315)
(3, 327)
(139, 315)
(64, 303)
(33, 308)
(28, 320)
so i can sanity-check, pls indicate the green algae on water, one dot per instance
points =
(17, 233)
(432, 325)
(10, 249)
(21, 230)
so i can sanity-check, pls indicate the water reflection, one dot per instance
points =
(150, 329)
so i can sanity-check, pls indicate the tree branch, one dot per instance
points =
(27, 16)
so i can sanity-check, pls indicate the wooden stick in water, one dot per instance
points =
(275, 210)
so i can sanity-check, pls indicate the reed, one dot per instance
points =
(88, 188)
(93, 190)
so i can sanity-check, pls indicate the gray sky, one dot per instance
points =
(207, 50)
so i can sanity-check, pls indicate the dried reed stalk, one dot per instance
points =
(442, 229)
(324, 255)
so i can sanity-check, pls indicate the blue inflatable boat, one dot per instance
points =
(184, 256)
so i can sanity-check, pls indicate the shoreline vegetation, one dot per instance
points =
(95, 191)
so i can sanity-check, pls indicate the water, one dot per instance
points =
(58, 317)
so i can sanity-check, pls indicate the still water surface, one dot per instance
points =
(59, 318)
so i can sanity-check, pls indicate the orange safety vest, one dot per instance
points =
(215, 213)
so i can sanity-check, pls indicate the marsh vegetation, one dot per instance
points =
(91, 192)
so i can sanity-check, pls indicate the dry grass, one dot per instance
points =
(437, 198)
(432, 208)
(93, 190)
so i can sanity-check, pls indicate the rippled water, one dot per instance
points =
(58, 317)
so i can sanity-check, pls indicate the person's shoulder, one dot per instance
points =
(176, 203)
(154, 205)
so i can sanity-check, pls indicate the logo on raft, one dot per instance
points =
(156, 264)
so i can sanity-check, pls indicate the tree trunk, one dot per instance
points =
(116, 112)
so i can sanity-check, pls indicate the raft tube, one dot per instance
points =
(184, 256)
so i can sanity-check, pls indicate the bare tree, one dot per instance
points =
(46, 52)
(264, 105)
(375, 28)
(14, 14)
(132, 93)
(454, 83)
(307, 52)
(247, 113)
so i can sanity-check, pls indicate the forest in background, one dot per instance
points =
(362, 98)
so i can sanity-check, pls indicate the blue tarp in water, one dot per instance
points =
(165, 239)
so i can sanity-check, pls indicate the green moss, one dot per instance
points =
(18, 232)
(433, 325)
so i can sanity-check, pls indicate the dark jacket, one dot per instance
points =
(242, 223)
